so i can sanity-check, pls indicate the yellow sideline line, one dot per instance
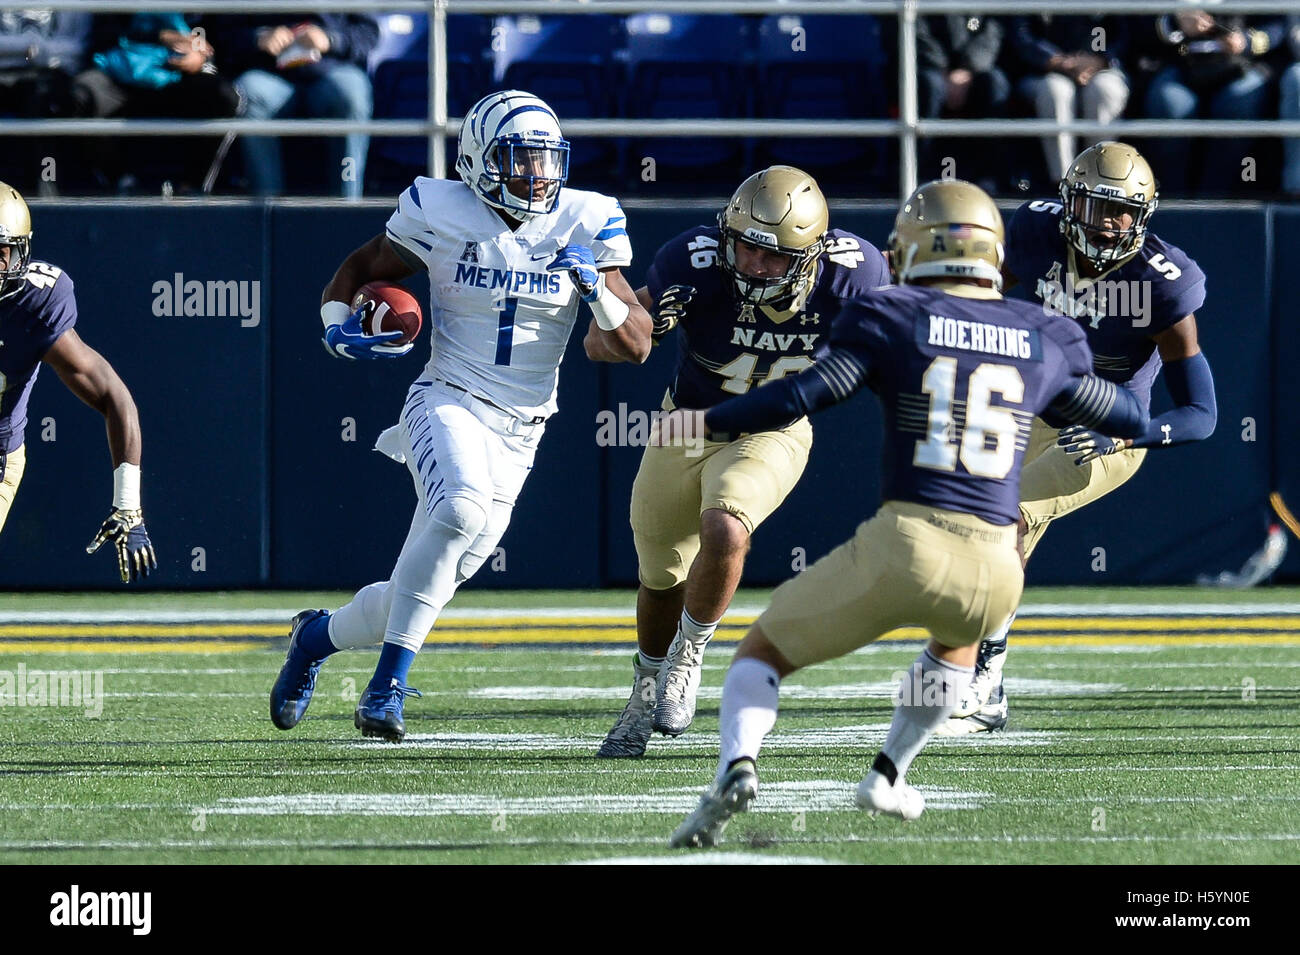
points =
(618, 629)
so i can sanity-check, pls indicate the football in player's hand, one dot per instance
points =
(395, 310)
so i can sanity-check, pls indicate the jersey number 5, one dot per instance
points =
(983, 420)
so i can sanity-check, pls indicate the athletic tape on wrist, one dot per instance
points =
(610, 310)
(126, 487)
(334, 313)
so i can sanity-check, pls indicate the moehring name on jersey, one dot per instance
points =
(963, 335)
(509, 280)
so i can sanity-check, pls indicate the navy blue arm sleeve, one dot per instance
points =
(1101, 406)
(837, 376)
(1191, 386)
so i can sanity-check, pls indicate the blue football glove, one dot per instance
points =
(579, 262)
(1087, 444)
(349, 341)
(135, 556)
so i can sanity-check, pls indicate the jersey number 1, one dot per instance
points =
(506, 330)
(983, 420)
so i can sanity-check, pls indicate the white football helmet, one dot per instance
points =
(512, 137)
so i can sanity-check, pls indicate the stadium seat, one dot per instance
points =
(569, 61)
(689, 67)
(399, 67)
(823, 67)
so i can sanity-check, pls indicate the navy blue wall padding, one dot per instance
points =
(200, 385)
(244, 428)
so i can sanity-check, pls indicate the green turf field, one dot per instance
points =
(1132, 740)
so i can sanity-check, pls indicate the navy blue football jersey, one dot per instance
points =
(961, 380)
(30, 322)
(1153, 290)
(725, 348)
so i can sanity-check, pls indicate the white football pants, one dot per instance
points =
(469, 461)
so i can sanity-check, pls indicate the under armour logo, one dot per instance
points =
(1167, 429)
(471, 252)
(809, 319)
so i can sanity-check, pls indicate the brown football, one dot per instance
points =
(395, 310)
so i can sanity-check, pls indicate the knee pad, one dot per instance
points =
(464, 515)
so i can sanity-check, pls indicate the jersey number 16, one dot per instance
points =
(983, 419)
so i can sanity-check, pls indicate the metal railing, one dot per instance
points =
(438, 126)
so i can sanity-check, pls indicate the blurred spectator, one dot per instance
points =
(1073, 68)
(40, 51)
(1289, 108)
(304, 66)
(1212, 70)
(958, 78)
(152, 65)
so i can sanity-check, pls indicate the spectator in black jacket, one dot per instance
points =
(1214, 69)
(958, 78)
(40, 51)
(302, 66)
(1072, 67)
(154, 66)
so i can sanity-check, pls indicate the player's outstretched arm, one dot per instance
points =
(620, 320)
(1187, 376)
(92, 379)
(837, 376)
(1098, 410)
(379, 260)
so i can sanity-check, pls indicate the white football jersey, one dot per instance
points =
(500, 321)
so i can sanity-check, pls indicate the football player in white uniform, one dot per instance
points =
(509, 252)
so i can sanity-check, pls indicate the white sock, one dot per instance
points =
(695, 631)
(749, 699)
(360, 622)
(649, 661)
(930, 691)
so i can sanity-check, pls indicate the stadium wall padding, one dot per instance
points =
(259, 468)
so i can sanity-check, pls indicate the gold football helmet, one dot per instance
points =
(780, 209)
(1106, 183)
(950, 229)
(15, 232)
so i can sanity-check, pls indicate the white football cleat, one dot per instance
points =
(632, 731)
(876, 796)
(992, 715)
(679, 682)
(986, 682)
(732, 794)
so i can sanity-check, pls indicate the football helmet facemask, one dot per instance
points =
(780, 209)
(1105, 183)
(16, 233)
(947, 229)
(513, 138)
